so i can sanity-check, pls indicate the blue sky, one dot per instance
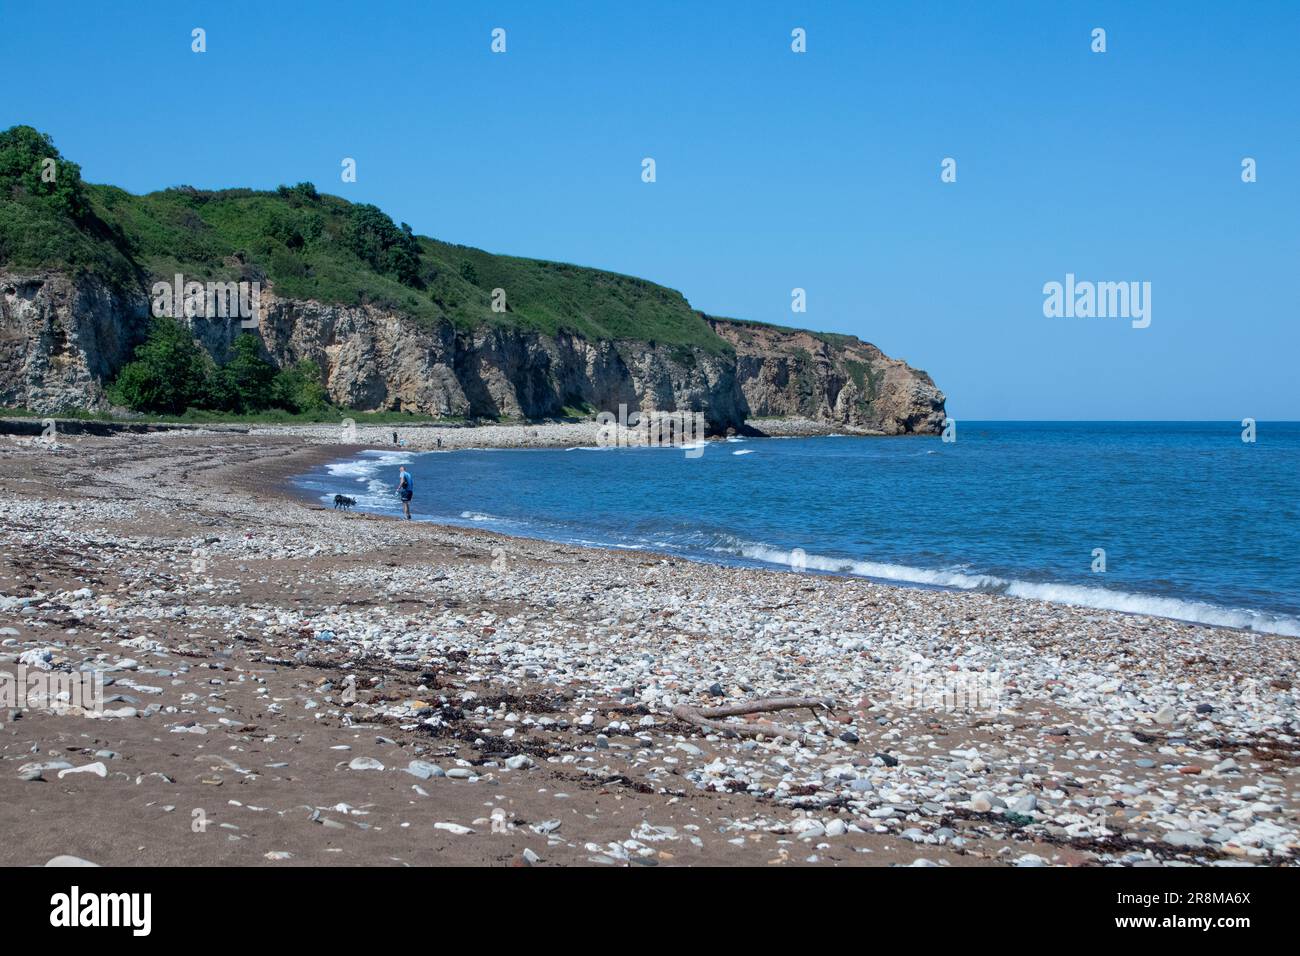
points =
(775, 170)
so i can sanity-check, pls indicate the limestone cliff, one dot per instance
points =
(830, 378)
(62, 339)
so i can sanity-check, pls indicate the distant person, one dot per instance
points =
(439, 442)
(405, 489)
(394, 438)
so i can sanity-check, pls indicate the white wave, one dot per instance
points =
(1105, 599)
(344, 469)
(371, 463)
(1195, 611)
(390, 457)
(478, 516)
(744, 451)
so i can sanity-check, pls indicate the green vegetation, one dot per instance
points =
(866, 378)
(308, 245)
(171, 374)
(836, 339)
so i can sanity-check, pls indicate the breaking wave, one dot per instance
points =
(1105, 599)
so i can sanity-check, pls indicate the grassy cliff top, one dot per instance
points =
(307, 245)
(835, 339)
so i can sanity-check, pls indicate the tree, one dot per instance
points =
(372, 236)
(31, 165)
(168, 374)
(299, 389)
(250, 376)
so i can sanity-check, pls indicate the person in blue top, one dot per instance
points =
(405, 489)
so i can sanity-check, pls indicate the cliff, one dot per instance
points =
(837, 379)
(395, 321)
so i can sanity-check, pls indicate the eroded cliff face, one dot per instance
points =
(62, 340)
(377, 359)
(837, 379)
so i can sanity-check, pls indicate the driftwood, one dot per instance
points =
(708, 718)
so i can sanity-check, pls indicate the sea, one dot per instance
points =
(1177, 519)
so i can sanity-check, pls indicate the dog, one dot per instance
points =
(344, 502)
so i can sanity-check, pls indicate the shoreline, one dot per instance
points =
(1261, 621)
(422, 435)
(515, 698)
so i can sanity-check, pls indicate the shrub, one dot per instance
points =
(299, 389)
(169, 373)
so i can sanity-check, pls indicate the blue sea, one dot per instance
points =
(1194, 523)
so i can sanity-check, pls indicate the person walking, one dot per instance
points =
(405, 489)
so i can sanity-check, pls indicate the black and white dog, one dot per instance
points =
(344, 502)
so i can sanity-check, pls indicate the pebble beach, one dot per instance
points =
(286, 683)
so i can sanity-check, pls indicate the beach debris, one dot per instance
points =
(712, 718)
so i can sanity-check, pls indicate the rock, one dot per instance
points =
(97, 769)
(42, 765)
(455, 828)
(519, 762)
(849, 737)
(65, 860)
(806, 828)
(365, 763)
(424, 770)
(1030, 859)
(1165, 715)
(982, 802)
(38, 658)
(888, 760)
(1026, 804)
(1183, 838)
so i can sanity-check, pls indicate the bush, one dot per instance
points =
(372, 236)
(250, 376)
(170, 372)
(25, 157)
(299, 389)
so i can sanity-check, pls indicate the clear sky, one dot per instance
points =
(775, 170)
